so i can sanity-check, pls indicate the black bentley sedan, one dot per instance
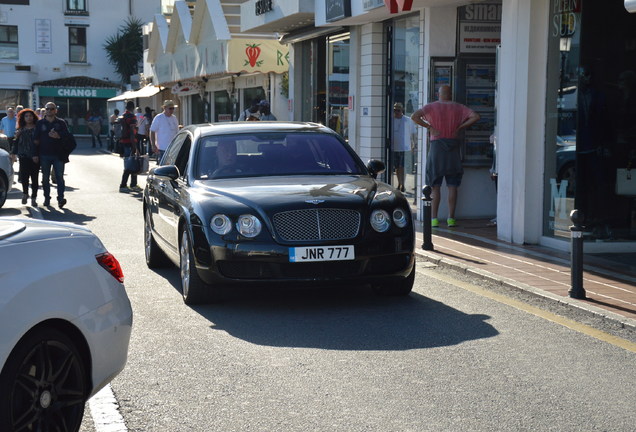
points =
(248, 203)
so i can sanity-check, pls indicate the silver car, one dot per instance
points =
(6, 175)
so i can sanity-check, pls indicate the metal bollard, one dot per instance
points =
(426, 218)
(576, 256)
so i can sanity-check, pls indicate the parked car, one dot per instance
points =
(295, 205)
(6, 175)
(65, 323)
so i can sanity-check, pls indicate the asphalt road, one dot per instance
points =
(448, 357)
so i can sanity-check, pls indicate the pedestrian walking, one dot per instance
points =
(7, 127)
(129, 142)
(26, 151)
(444, 119)
(115, 130)
(51, 132)
(164, 127)
(95, 127)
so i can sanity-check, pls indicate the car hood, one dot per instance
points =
(342, 190)
(17, 230)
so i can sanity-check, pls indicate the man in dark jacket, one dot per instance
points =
(129, 141)
(51, 134)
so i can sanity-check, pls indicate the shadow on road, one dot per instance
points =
(54, 213)
(351, 319)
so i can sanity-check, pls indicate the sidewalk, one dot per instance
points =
(473, 248)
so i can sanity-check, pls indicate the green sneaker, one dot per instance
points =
(451, 222)
(434, 223)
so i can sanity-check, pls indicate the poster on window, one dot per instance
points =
(480, 75)
(480, 99)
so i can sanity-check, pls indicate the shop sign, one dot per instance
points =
(43, 36)
(395, 6)
(337, 9)
(564, 15)
(77, 92)
(479, 28)
(186, 88)
(262, 55)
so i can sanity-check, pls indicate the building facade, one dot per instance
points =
(53, 51)
(552, 79)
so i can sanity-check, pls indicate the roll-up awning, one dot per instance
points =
(143, 92)
(306, 33)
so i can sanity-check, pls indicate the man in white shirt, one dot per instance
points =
(404, 138)
(164, 127)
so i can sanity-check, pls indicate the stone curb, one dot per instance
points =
(590, 310)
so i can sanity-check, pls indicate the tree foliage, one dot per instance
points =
(125, 49)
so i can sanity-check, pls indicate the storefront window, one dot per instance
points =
(590, 132)
(313, 100)
(222, 106)
(338, 83)
(405, 90)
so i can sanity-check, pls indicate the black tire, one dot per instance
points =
(399, 287)
(44, 384)
(4, 190)
(193, 288)
(155, 257)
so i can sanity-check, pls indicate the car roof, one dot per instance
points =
(255, 126)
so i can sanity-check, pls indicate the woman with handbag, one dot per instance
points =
(25, 149)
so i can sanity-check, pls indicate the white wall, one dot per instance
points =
(521, 119)
(371, 92)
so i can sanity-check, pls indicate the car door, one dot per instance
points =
(166, 193)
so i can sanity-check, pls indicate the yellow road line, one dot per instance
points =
(549, 316)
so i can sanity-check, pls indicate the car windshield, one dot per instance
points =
(274, 154)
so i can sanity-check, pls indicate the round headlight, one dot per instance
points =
(248, 225)
(380, 220)
(221, 224)
(399, 217)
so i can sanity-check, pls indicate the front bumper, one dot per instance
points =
(376, 259)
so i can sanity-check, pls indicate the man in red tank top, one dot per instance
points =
(444, 119)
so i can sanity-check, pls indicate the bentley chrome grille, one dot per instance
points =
(317, 224)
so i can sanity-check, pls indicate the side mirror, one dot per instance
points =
(170, 171)
(376, 167)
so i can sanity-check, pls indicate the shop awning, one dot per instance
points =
(143, 92)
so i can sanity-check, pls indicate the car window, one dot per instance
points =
(279, 153)
(184, 156)
(172, 152)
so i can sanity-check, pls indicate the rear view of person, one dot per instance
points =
(129, 142)
(115, 131)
